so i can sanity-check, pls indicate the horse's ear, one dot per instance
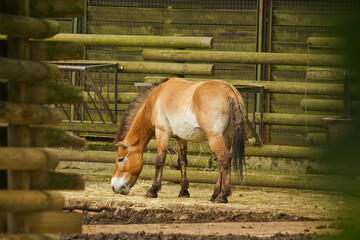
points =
(121, 144)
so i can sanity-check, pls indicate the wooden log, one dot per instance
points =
(276, 151)
(13, 236)
(57, 9)
(325, 74)
(26, 114)
(290, 119)
(27, 27)
(317, 138)
(244, 57)
(45, 180)
(158, 68)
(88, 127)
(54, 222)
(279, 151)
(53, 51)
(325, 42)
(27, 71)
(13, 158)
(126, 97)
(281, 87)
(21, 201)
(327, 105)
(23, 114)
(136, 41)
(109, 157)
(263, 180)
(52, 94)
(52, 137)
(108, 97)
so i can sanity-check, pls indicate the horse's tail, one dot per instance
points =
(237, 116)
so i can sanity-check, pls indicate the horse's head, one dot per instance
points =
(127, 169)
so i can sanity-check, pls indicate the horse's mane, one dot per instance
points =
(133, 109)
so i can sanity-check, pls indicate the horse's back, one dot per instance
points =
(189, 109)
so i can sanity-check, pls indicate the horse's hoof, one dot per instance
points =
(151, 194)
(184, 193)
(213, 197)
(220, 199)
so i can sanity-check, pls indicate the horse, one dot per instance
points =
(175, 108)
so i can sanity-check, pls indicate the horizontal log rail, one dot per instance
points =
(263, 180)
(203, 149)
(109, 157)
(288, 119)
(27, 27)
(244, 57)
(30, 201)
(325, 42)
(317, 138)
(14, 158)
(156, 67)
(281, 87)
(327, 105)
(53, 51)
(325, 74)
(136, 41)
(52, 137)
(27, 71)
(52, 94)
(22, 114)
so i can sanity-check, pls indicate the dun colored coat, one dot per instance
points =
(186, 111)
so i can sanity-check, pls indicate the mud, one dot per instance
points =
(161, 236)
(148, 216)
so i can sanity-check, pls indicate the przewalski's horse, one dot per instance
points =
(186, 111)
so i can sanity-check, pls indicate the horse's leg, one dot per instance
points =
(217, 188)
(219, 147)
(182, 162)
(162, 139)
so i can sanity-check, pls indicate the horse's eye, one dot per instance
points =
(120, 159)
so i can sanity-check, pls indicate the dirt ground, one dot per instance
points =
(252, 213)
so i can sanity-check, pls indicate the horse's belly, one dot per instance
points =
(189, 133)
(186, 127)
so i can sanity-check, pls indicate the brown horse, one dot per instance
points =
(185, 111)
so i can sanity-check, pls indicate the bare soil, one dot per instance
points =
(252, 213)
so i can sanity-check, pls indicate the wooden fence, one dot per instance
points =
(28, 206)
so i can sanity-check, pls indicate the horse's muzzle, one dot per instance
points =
(123, 190)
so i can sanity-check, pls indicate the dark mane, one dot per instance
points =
(133, 109)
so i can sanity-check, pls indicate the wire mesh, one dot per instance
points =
(235, 27)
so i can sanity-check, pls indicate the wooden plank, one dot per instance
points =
(307, 18)
(14, 158)
(24, 114)
(126, 28)
(246, 4)
(21, 201)
(300, 33)
(173, 16)
(45, 180)
(54, 222)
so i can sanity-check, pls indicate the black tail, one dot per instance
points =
(237, 115)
